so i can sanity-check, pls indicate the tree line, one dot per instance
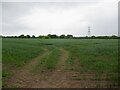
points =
(63, 36)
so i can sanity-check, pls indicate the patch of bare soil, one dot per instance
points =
(58, 78)
(24, 76)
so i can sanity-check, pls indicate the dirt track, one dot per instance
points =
(58, 78)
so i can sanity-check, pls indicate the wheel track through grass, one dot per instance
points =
(24, 76)
(59, 75)
(57, 78)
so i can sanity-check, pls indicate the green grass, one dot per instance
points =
(97, 56)
(49, 62)
(85, 55)
(17, 52)
(94, 55)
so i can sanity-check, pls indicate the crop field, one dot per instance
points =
(59, 63)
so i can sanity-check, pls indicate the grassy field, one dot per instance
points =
(98, 56)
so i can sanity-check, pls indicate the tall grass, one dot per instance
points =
(100, 56)
(85, 55)
(95, 56)
(17, 52)
(49, 62)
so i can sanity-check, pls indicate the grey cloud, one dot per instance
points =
(21, 17)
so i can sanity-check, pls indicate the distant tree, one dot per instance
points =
(114, 37)
(40, 36)
(106, 37)
(102, 37)
(53, 36)
(44, 37)
(33, 36)
(27, 36)
(93, 37)
(47, 37)
(22, 36)
(62, 36)
(15, 37)
(69, 36)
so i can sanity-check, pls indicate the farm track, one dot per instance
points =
(24, 76)
(57, 78)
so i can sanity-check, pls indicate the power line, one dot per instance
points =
(89, 32)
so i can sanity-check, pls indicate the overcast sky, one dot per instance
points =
(42, 18)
